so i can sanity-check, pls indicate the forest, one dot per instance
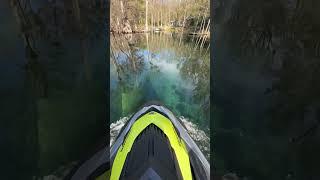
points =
(188, 16)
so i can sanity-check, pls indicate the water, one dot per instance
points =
(168, 68)
(52, 88)
(266, 91)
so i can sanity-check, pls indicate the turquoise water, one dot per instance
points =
(167, 68)
(158, 67)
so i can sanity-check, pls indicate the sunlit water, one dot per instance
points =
(169, 69)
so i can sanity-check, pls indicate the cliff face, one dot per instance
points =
(280, 42)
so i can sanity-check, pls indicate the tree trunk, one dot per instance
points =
(146, 28)
(161, 12)
(122, 9)
(208, 26)
(152, 21)
(158, 18)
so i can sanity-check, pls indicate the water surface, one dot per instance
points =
(168, 68)
(52, 87)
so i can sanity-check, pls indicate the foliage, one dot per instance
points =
(161, 13)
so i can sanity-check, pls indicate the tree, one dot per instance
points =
(146, 15)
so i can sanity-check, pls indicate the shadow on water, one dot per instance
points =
(52, 82)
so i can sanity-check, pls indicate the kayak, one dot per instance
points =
(153, 144)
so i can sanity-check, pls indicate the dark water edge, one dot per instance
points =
(52, 85)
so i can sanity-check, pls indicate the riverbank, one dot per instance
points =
(163, 29)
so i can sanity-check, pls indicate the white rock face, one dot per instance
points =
(116, 127)
(198, 135)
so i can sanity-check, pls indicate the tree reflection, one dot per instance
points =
(138, 60)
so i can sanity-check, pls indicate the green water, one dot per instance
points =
(171, 69)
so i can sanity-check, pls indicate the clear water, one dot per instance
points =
(171, 69)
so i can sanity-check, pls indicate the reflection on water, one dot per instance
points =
(168, 68)
(52, 84)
